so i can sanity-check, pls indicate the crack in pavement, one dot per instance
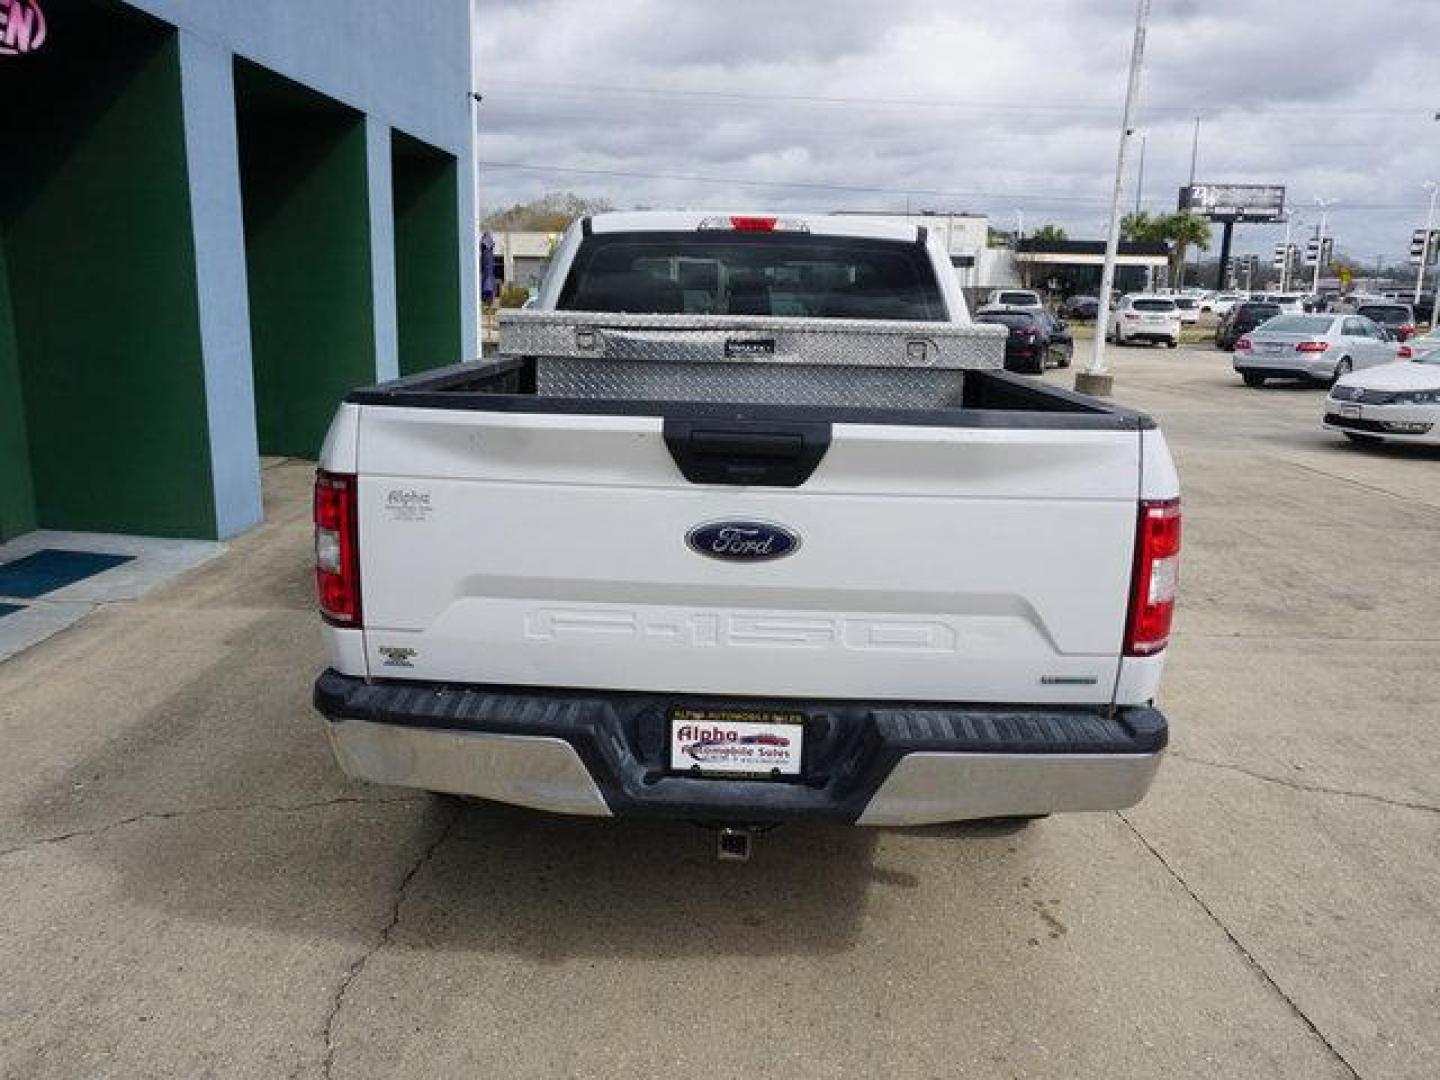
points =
(1295, 785)
(1372, 488)
(1249, 957)
(203, 811)
(357, 967)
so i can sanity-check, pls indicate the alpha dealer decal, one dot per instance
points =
(22, 27)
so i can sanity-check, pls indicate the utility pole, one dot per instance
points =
(1432, 187)
(1194, 150)
(1095, 379)
(1140, 180)
(1019, 225)
(1324, 205)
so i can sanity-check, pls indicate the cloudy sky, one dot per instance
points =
(961, 105)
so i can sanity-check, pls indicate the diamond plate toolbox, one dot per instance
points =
(782, 361)
(744, 339)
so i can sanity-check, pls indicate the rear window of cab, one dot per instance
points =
(1153, 305)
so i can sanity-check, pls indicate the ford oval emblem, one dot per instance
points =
(742, 541)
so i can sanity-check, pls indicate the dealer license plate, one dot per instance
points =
(737, 742)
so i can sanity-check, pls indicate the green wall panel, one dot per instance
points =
(427, 255)
(97, 233)
(17, 494)
(307, 235)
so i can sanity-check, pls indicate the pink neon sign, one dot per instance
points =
(22, 27)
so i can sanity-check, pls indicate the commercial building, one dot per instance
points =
(216, 216)
(1071, 267)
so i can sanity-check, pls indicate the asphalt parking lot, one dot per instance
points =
(191, 889)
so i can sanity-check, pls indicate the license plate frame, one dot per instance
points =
(1350, 412)
(736, 744)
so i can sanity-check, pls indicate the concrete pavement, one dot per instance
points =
(192, 889)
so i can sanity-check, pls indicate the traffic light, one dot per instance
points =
(1420, 249)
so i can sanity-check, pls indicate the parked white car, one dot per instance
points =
(1146, 317)
(1221, 304)
(1015, 298)
(1399, 401)
(1189, 309)
(1293, 303)
(1311, 347)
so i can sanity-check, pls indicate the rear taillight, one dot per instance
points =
(1157, 571)
(1312, 346)
(337, 551)
(1244, 345)
(1131, 315)
(1406, 331)
(1404, 352)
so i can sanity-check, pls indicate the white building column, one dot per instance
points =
(212, 157)
(381, 187)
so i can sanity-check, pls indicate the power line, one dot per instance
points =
(858, 189)
(533, 86)
(629, 174)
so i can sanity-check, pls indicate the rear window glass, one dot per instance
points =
(1259, 311)
(1016, 320)
(1153, 305)
(1185, 302)
(1020, 298)
(1300, 324)
(776, 274)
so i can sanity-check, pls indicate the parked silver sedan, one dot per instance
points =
(1312, 348)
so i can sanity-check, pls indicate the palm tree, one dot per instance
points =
(1183, 229)
(1140, 226)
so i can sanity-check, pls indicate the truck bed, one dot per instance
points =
(987, 398)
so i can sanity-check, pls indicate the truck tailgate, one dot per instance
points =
(976, 564)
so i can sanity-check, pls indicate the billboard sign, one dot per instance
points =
(1234, 202)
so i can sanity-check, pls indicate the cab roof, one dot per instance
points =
(816, 224)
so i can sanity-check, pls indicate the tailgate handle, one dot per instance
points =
(747, 453)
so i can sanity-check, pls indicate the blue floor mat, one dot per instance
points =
(9, 609)
(51, 568)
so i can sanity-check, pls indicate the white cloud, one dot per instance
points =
(999, 109)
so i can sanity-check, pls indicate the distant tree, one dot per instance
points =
(1143, 227)
(549, 213)
(1183, 229)
(1180, 230)
(1050, 234)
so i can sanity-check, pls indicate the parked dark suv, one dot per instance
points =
(1035, 339)
(1242, 319)
(1081, 307)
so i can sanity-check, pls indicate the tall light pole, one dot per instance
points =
(1095, 379)
(1434, 188)
(1194, 150)
(474, 223)
(1019, 225)
(1324, 205)
(1140, 179)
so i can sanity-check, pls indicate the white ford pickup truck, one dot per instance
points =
(745, 524)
